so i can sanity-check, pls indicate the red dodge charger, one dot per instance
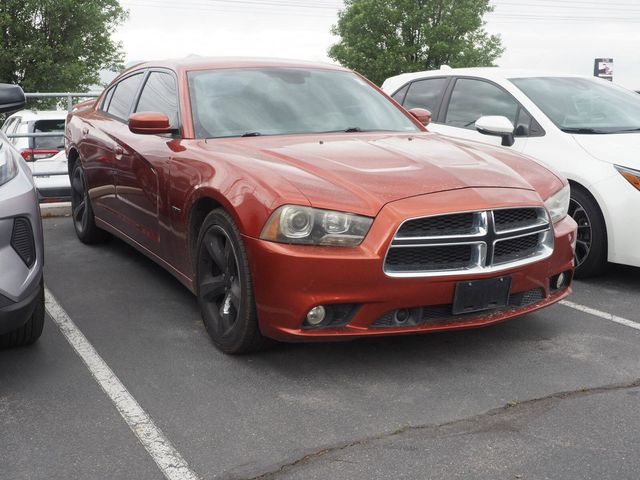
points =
(299, 202)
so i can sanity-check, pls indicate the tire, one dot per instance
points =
(81, 211)
(224, 286)
(591, 245)
(30, 331)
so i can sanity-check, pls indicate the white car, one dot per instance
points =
(44, 155)
(586, 128)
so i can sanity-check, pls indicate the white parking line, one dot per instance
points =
(170, 462)
(598, 313)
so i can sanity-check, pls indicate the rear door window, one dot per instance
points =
(399, 95)
(426, 93)
(124, 95)
(472, 99)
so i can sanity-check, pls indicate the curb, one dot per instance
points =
(52, 210)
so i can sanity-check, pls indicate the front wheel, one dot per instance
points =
(590, 257)
(224, 286)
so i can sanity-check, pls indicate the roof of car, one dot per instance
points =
(490, 73)
(195, 62)
(28, 115)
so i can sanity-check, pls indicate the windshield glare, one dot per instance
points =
(275, 101)
(582, 105)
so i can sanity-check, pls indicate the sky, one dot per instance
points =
(557, 35)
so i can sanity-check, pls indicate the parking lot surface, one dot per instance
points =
(551, 395)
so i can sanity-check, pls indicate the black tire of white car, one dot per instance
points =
(81, 210)
(224, 286)
(592, 234)
(30, 331)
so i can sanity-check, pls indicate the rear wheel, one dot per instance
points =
(224, 286)
(591, 244)
(81, 211)
(30, 331)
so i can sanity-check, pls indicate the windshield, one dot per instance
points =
(582, 105)
(275, 101)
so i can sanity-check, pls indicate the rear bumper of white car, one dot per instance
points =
(51, 178)
(53, 188)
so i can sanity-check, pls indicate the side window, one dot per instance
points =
(160, 95)
(472, 99)
(523, 125)
(107, 99)
(123, 96)
(399, 95)
(8, 124)
(426, 94)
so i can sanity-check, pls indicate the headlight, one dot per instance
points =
(558, 204)
(312, 226)
(632, 176)
(8, 165)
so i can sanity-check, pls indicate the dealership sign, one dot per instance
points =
(603, 68)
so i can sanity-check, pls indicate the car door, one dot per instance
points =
(143, 169)
(101, 146)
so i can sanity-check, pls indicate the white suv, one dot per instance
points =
(44, 155)
(586, 128)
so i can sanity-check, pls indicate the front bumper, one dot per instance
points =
(617, 198)
(289, 280)
(18, 200)
(13, 315)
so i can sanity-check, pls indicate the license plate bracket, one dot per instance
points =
(480, 295)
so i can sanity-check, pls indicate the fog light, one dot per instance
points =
(560, 281)
(402, 315)
(316, 315)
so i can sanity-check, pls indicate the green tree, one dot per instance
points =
(58, 45)
(382, 38)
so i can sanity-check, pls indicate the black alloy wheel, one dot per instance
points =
(81, 211)
(224, 286)
(590, 256)
(78, 200)
(584, 235)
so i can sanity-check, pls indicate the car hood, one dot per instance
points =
(363, 172)
(620, 149)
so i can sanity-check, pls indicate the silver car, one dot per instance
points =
(21, 244)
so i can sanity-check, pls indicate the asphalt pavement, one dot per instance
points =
(550, 395)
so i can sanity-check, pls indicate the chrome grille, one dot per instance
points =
(457, 224)
(433, 258)
(513, 218)
(469, 242)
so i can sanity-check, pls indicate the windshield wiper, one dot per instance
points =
(626, 130)
(251, 134)
(353, 129)
(584, 130)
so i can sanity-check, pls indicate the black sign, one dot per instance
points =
(603, 68)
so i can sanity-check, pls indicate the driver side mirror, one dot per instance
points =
(11, 98)
(422, 115)
(149, 123)
(497, 126)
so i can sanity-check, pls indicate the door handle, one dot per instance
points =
(85, 130)
(117, 153)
